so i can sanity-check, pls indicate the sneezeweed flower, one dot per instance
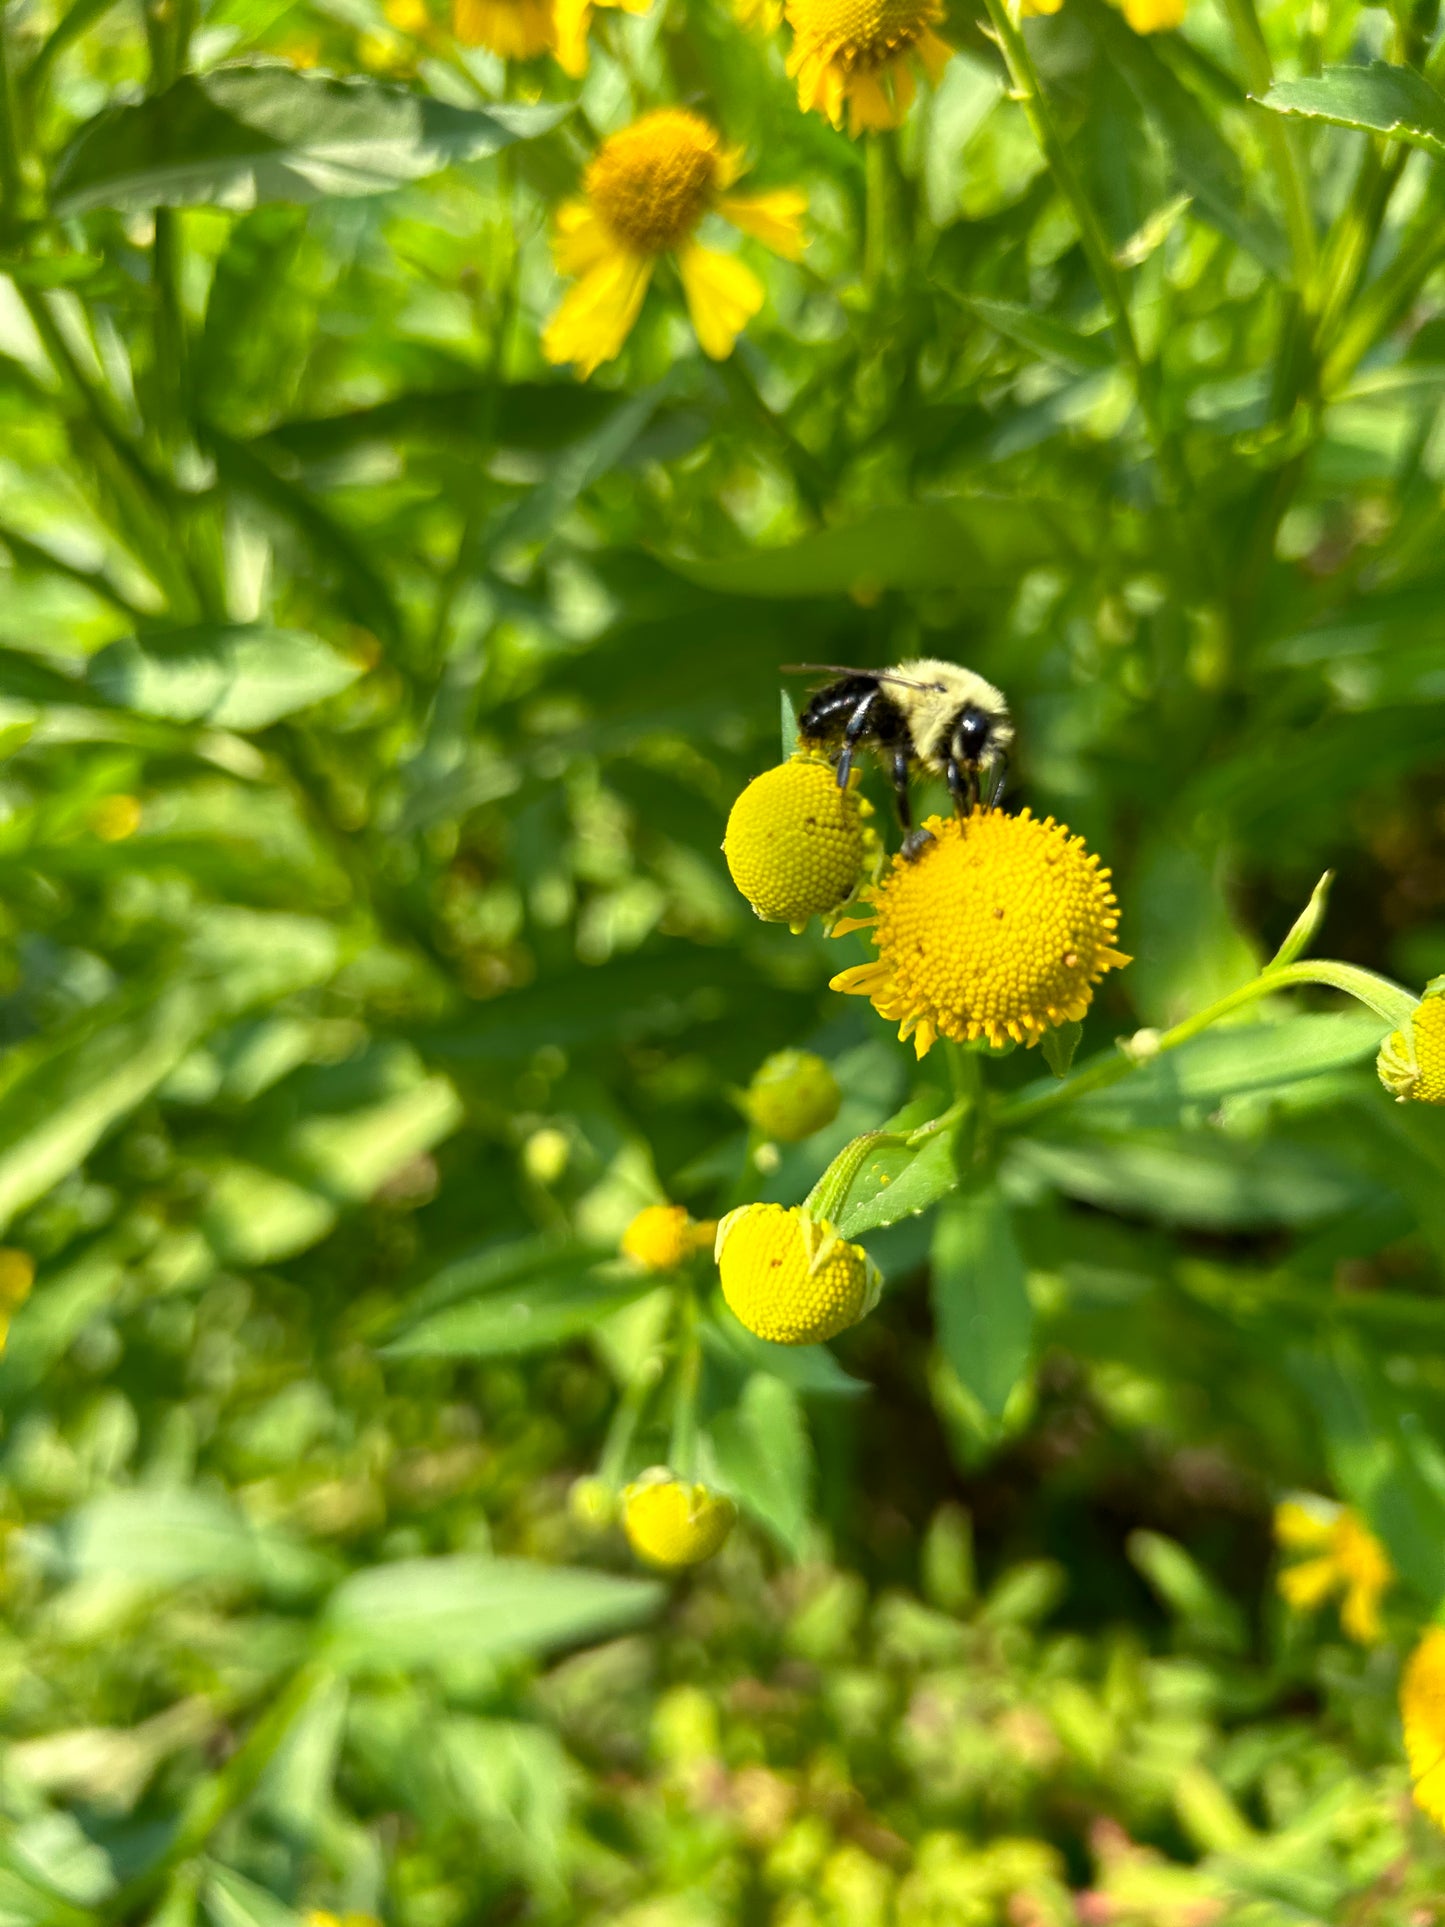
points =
(663, 1237)
(789, 1277)
(1411, 1065)
(861, 53)
(1154, 16)
(793, 1094)
(17, 1275)
(998, 929)
(1422, 1712)
(645, 194)
(671, 1523)
(1346, 1558)
(796, 845)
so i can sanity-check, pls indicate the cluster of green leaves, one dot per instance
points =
(371, 700)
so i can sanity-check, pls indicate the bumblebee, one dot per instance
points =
(925, 714)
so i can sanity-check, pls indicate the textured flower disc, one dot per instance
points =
(1413, 1067)
(1422, 1709)
(653, 182)
(789, 1277)
(662, 1236)
(793, 1094)
(999, 929)
(670, 1523)
(861, 33)
(796, 844)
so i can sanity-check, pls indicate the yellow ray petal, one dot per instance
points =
(1295, 1525)
(775, 219)
(572, 17)
(870, 108)
(722, 293)
(579, 239)
(1309, 1584)
(934, 53)
(598, 314)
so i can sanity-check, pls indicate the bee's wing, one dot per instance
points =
(846, 669)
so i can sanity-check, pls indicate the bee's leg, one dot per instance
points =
(857, 729)
(899, 773)
(962, 786)
(998, 779)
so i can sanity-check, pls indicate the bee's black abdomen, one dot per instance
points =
(831, 710)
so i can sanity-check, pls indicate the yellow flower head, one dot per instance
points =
(522, 29)
(670, 1523)
(861, 52)
(1422, 1710)
(1413, 1066)
(645, 195)
(999, 928)
(796, 844)
(1346, 1558)
(789, 1277)
(1155, 16)
(662, 1236)
(17, 1275)
(114, 818)
(793, 1094)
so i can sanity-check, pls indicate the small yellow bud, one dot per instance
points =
(17, 1274)
(592, 1503)
(1412, 1066)
(789, 1277)
(796, 844)
(662, 1237)
(670, 1523)
(793, 1094)
(546, 1154)
(114, 818)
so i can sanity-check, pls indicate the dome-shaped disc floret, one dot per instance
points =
(999, 929)
(1412, 1065)
(662, 1237)
(793, 1094)
(671, 1523)
(797, 846)
(1422, 1710)
(860, 53)
(789, 1277)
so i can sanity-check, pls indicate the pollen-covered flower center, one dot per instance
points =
(652, 183)
(862, 33)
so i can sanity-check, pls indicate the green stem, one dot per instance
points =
(875, 209)
(9, 146)
(1282, 144)
(825, 1200)
(625, 1420)
(682, 1444)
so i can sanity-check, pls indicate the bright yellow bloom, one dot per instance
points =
(1348, 1558)
(670, 1523)
(645, 195)
(17, 1275)
(1413, 1067)
(1422, 1710)
(861, 52)
(662, 1236)
(790, 1278)
(1155, 16)
(793, 1094)
(999, 928)
(1040, 6)
(797, 845)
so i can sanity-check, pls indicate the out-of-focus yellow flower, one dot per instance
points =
(323, 1917)
(511, 29)
(796, 844)
(1347, 1558)
(1411, 1064)
(760, 16)
(861, 53)
(662, 1236)
(793, 1094)
(999, 928)
(114, 818)
(1155, 16)
(1032, 7)
(645, 195)
(1422, 1712)
(671, 1523)
(17, 1275)
(789, 1277)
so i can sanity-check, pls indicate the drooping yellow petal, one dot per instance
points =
(514, 29)
(572, 18)
(869, 108)
(935, 54)
(775, 219)
(1309, 1584)
(1297, 1526)
(723, 294)
(579, 240)
(597, 315)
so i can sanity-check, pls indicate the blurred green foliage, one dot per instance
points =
(371, 702)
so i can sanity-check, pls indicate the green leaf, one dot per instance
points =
(900, 1180)
(175, 1538)
(1303, 931)
(1381, 99)
(263, 131)
(764, 1459)
(233, 677)
(981, 1304)
(531, 1318)
(422, 1612)
(810, 1370)
(1041, 334)
(1060, 1046)
(230, 1900)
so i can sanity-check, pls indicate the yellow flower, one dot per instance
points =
(796, 845)
(793, 1094)
(789, 1277)
(999, 928)
(17, 1275)
(592, 1503)
(114, 818)
(644, 195)
(1422, 1710)
(860, 52)
(1348, 1558)
(512, 29)
(1030, 7)
(764, 16)
(1413, 1067)
(1154, 16)
(670, 1523)
(662, 1236)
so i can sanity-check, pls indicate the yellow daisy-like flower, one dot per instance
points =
(17, 1275)
(670, 1523)
(793, 1094)
(999, 928)
(1155, 16)
(1422, 1712)
(1412, 1066)
(645, 195)
(861, 52)
(1347, 1558)
(662, 1236)
(789, 1277)
(796, 844)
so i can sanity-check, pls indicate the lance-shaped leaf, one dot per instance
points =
(1378, 99)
